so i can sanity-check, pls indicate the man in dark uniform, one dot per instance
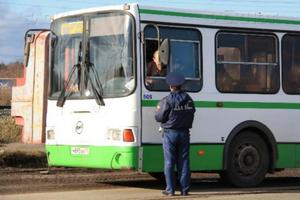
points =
(175, 112)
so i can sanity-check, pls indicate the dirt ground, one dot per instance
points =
(29, 180)
(22, 155)
(22, 147)
(23, 169)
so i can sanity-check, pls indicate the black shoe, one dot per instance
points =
(164, 192)
(184, 193)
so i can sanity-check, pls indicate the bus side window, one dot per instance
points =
(223, 79)
(151, 48)
(250, 60)
(257, 76)
(185, 48)
(155, 72)
(291, 63)
(228, 75)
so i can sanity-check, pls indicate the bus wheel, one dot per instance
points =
(223, 177)
(248, 160)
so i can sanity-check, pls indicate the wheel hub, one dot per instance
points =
(248, 160)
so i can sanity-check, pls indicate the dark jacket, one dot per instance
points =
(175, 111)
(152, 70)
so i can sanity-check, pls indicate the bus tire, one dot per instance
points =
(248, 160)
(223, 177)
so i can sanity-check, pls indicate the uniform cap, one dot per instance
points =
(175, 79)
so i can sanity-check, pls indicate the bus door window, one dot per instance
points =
(247, 63)
(291, 64)
(184, 57)
(155, 72)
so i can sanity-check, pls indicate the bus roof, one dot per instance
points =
(193, 13)
(251, 20)
(90, 10)
(241, 16)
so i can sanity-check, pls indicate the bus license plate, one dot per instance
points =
(80, 151)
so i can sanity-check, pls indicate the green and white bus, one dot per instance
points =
(241, 70)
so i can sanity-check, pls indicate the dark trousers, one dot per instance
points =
(176, 144)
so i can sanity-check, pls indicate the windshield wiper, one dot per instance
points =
(97, 86)
(64, 94)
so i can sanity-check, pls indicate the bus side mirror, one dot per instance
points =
(29, 38)
(164, 52)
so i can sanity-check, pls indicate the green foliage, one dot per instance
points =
(9, 131)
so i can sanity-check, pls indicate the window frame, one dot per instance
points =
(247, 33)
(199, 59)
(87, 17)
(200, 55)
(282, 67)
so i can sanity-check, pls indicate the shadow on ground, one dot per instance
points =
(215, 185)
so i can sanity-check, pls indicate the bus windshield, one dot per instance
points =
(111, 52)
(93, 51)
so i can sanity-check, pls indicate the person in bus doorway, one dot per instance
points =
(175, 112)
(155, 68)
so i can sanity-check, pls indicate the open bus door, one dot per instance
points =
(29, 96)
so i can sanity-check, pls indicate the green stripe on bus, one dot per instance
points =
(210, 157)
(202, 157)
(233, 104)
(287, 156)
(105, 157)
(221, 17)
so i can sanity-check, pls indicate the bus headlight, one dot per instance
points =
(125, 135)
(114, 134)
(50, 134)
